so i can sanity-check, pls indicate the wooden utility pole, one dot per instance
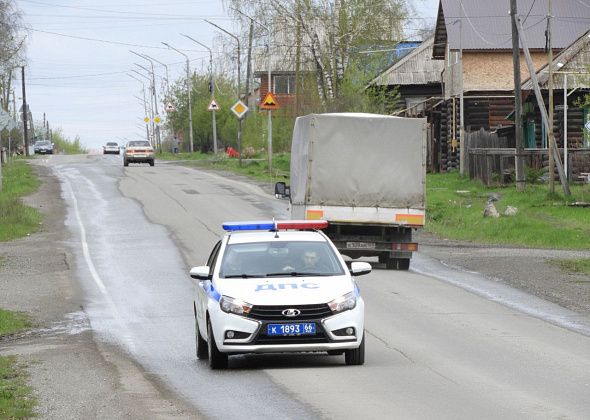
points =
(550, 135)
(518, 158)
(25, 115)
(541, 102)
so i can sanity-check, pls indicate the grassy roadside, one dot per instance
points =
(255, 166)
(455, 207)
(16, 220)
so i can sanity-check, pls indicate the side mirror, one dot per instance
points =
(282, 190)
(358, 268)
(200, 273)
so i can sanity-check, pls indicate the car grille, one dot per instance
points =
(275, 313)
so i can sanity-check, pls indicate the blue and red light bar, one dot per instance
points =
(276, 225)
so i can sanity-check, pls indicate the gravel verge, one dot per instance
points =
(73, 376)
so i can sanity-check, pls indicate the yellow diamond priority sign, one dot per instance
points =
(239, 109)
(146, 120)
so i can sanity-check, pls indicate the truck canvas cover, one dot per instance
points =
(358, 160)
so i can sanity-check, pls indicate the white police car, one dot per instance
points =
(278, 287)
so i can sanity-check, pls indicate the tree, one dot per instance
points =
(11, 47)
(329, 37)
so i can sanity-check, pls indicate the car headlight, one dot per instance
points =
(234, 306)
(343, 303)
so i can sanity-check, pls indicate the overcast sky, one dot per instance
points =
(78, 58)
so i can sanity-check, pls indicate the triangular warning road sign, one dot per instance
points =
(269, 103)
(213, 106)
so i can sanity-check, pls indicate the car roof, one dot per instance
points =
(266, 236)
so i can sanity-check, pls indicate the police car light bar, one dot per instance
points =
(276, 225)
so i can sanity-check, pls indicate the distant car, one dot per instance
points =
(277, 287)
(138, 151)
(111, 147)
(43, 147)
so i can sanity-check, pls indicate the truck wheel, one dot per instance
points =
(202, 350)
(217, 359)
(356, 356)
(398, 264)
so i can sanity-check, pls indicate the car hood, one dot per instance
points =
(286, 290)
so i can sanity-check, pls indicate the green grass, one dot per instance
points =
(16, 219)
(255, 166)
(11, 322)
(455, 210)
(16, 397)
(571, 266)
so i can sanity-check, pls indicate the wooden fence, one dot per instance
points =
(490, 161)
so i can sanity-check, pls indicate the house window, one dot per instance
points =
(284, 84)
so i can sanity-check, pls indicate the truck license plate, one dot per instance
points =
(307, 328)
(360, 245)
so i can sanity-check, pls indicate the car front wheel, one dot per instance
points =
(217, 359)
(202, 350)
(356, 356)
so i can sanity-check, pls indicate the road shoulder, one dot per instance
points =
(72, 375)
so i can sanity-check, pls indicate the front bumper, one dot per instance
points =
(253, 337)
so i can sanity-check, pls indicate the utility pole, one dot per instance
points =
(155, 97)
(269, 124)
(25, 115)
(462, 145)
(518, 159)
(539, 96)
(552, 144)
(239, 91)
(151, 137)
(249, 65)
(189, 89)
(212, 87)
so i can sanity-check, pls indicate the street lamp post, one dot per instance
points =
(212, 83)
(188, 87)
(151, 108)
(239, 93)
(167, 89)
(157, 125)
(145, 110)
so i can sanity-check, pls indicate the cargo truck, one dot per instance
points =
(366, 175)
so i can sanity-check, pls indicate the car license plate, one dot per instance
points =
(307, 328)
(360, 245)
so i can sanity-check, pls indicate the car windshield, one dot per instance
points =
(42, 143)
(112, 144)
(139, 143)
(280, 259)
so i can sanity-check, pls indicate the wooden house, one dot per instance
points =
(473, 39)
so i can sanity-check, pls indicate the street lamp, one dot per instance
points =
(158, 142)
(150, 104)
(212, 83)
(239, 94)
(188, 87)
(147, 130)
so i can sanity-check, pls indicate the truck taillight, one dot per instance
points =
(405, 246)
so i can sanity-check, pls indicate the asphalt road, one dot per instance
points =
(440, 343)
